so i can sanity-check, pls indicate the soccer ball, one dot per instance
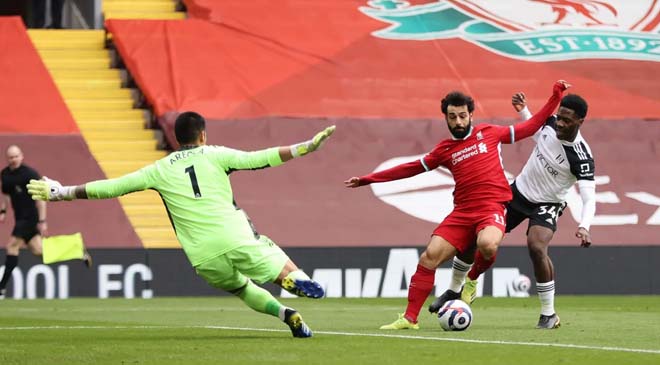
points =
(522, 283)
(455, 315)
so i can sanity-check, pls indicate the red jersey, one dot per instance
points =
(474, 161)
(476, 164)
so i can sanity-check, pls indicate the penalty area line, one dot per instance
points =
(353, 334)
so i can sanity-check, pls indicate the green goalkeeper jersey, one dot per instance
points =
(195, 188)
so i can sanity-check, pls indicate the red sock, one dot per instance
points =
(421, 285)
(480, 266)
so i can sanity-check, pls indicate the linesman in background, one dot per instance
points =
(30, 217)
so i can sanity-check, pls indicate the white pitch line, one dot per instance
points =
(333, 333)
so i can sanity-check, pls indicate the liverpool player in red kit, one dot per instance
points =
(473, 157)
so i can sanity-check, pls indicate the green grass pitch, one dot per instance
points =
(595, 330)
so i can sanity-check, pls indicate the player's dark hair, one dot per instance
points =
(457, 98)
(576, 104)
(188, 126)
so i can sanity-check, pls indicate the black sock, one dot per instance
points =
(10, 264)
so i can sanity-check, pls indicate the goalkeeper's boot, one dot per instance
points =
(441, 300)
(2, 293)
(548, 322)
(303, 288)
(469, 291)
(402, 323)
(295, 322)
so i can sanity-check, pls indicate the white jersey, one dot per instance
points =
(554, 166)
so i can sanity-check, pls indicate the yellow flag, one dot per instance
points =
(62, 248)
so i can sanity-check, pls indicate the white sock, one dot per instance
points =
(546, 293)
(459, 271)
(298, 275)
(282, 312)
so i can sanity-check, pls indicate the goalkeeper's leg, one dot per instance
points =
(222, 273)
(285, 272)
(262, 301)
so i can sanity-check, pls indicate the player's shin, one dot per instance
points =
(420, 287)
(546, 293)
(10, 263)
(481, 265)
(260, 299)
(459, 270)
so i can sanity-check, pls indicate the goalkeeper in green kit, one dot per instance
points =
(216, 236)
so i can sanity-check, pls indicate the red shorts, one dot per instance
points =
(460, 227)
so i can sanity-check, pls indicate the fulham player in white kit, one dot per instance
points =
(560, 158)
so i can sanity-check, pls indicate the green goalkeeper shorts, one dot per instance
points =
(260, 260)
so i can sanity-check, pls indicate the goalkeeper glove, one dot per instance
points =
(50, 190)
(301, 149)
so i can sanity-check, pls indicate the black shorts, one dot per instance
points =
(25, 230)
(539, 214)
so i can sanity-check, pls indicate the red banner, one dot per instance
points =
(29, 100)
(247, 59)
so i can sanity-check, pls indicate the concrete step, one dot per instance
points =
(77, 105)
(98, 63)
(139, 6)
(118, 135)
(138, 210)
(131, 124)
(160, 243)
(142, 198)
(122, 146)
(109, 115)
(143, 15)
(125, 165)
(80, 83)
(95, 74)
(67, 34)
(78, 54)
(94, 93)
(69, 44)
(151, 221)
(153, 233)
(139, 155)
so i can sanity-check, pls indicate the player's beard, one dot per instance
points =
(460, 134)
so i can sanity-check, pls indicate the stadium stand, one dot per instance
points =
(34, 116)
(107, 120)
(141, 9)
(270, 79)
(321, 59)
(103, 110)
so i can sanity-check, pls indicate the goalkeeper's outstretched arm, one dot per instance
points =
(52, 190)
(231, 159)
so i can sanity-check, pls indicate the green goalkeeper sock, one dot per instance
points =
(260, 300)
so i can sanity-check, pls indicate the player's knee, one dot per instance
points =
(488, 250)
(537, 250)
(431, 259)
(37, 251)
(14, 246)
(238, 291)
